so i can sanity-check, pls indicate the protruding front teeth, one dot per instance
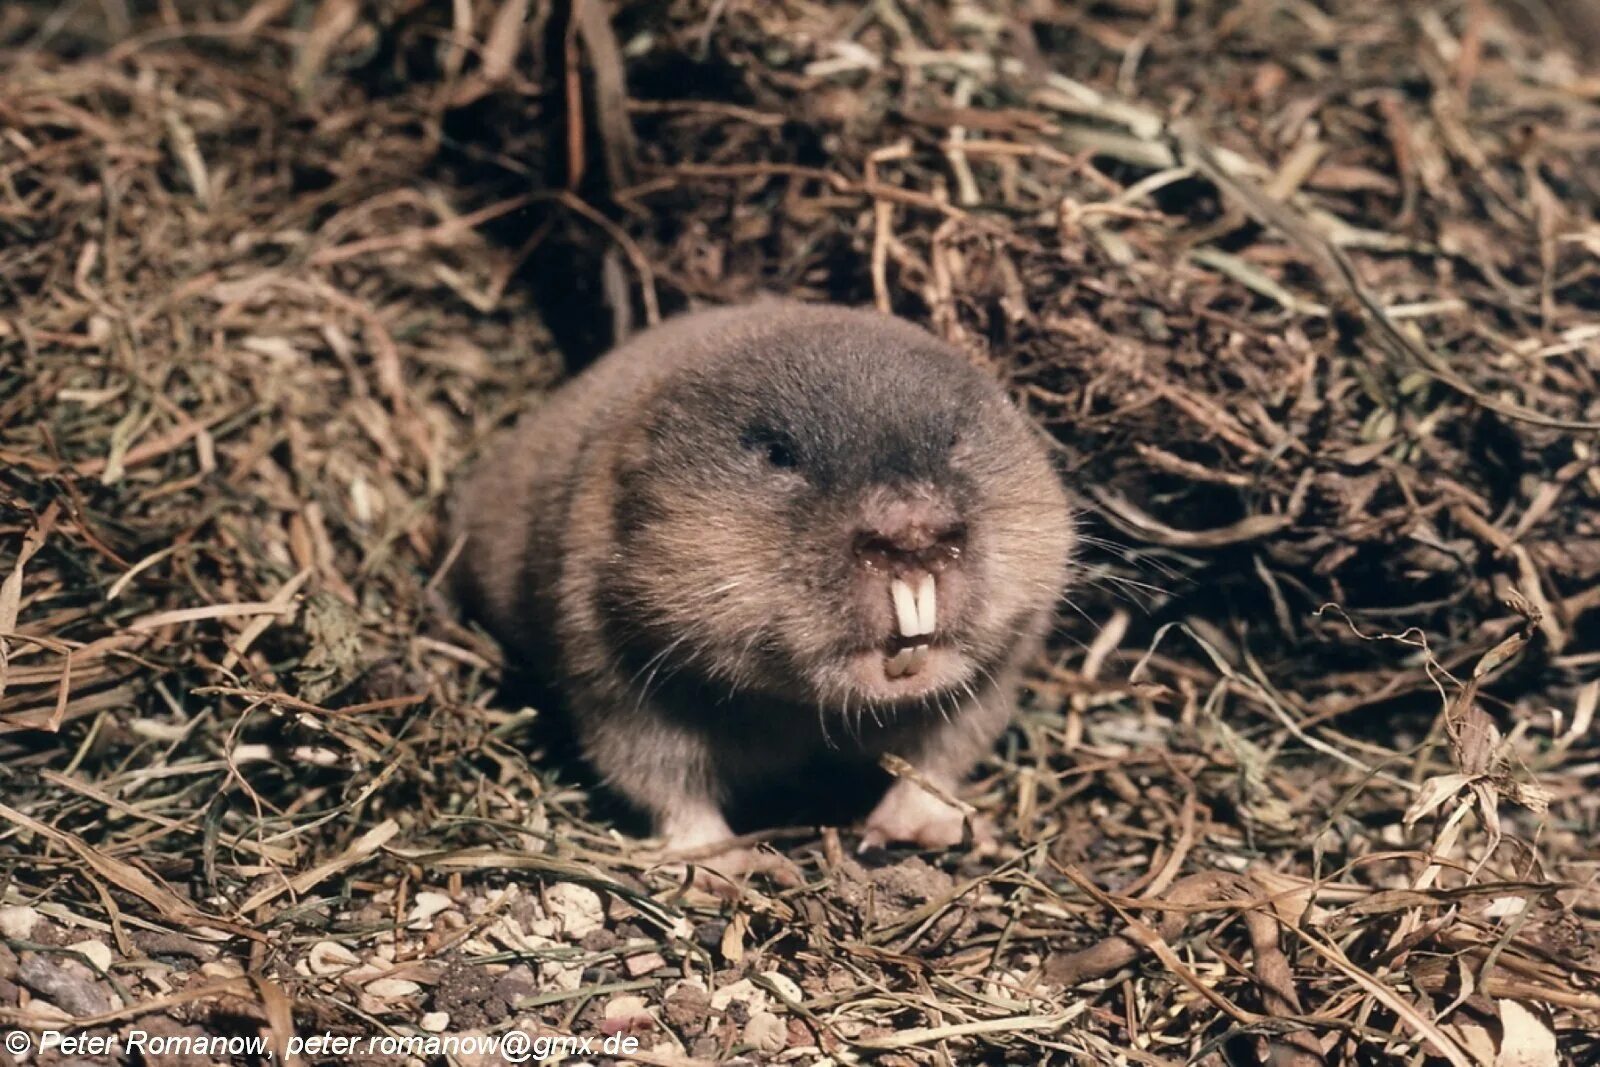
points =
(905, 608)
(927, 605)
(906, 662)
(916, 612)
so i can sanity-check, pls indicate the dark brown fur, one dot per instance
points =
(668, 538)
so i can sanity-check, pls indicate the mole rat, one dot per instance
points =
(760, 546)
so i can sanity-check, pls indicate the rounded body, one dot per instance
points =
(757, 546)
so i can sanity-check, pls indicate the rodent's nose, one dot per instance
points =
(911, 537)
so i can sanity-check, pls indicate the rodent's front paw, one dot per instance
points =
(723, 873)
(701, 838)
(910, 813)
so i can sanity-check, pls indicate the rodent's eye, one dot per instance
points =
(780, 454)
(775, 446)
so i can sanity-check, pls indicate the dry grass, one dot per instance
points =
(1307, 294)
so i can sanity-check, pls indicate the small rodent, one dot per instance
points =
(754, 542)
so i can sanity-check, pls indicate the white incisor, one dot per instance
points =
(917, 615)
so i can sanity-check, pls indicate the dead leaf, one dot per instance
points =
(1527, 1041)
(733, 938)
(1434, 792)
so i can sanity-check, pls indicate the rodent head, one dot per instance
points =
(839, 510)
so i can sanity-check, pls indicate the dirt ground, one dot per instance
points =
(1307, 294)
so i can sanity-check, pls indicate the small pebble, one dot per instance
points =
(17, 921)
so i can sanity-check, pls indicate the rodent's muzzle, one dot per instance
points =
(907, 544)
(908, 531)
